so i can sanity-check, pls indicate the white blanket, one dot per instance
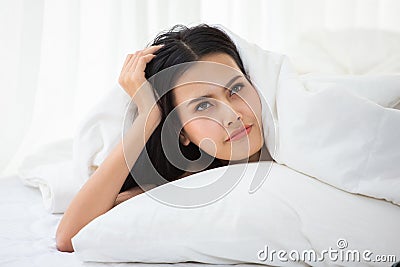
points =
(342, 130)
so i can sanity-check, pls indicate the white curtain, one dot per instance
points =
(58, 57)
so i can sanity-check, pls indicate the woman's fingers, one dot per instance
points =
(142, 62)
(127, 60)
(132, 66)
(134, 59)
(142, 53)
(152, 49)
(132, 77)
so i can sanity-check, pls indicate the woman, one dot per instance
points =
(220, 115)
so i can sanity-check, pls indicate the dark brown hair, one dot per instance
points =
(181, 45)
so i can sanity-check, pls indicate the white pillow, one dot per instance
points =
(290, 211)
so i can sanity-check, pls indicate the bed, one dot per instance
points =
(27, 236)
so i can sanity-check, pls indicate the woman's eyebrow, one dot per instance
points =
(207, 96)
(232, 80)
(197, 99)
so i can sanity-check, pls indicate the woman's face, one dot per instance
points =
(214, 100)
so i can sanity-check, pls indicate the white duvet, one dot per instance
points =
(340, 129)
(343, 132)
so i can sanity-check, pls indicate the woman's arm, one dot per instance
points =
(99, 193)
(132, 193)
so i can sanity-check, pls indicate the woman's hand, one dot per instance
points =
(132, 79)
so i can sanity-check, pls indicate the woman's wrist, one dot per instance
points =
(144, 98)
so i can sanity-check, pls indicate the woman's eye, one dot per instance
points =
(236, 88)
(203, 106)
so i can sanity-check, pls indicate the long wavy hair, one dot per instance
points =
(181, 45)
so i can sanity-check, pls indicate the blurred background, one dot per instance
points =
(58, 57)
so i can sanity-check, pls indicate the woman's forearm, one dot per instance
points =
(99, 193)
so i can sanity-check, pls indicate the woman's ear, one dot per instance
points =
(184, 140)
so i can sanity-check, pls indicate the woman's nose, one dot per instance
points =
(229, 123)
(232, 118)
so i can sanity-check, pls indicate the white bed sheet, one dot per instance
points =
(27, 232)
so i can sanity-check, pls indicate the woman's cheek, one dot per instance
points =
(201, 129)
(253, 104)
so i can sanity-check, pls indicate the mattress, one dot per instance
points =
(27, 232)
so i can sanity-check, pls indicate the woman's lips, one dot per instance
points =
(240, 134)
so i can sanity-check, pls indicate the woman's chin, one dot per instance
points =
(236, 160)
